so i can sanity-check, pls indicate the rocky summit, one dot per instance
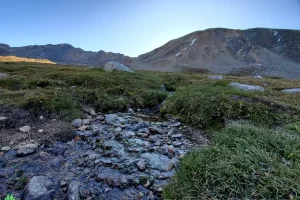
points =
(113, 156)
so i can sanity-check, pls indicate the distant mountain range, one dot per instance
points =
(64, 54)
(267, 52)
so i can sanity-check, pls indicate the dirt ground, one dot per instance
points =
(43, 131)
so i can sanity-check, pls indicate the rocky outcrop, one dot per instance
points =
(119, 156)
(247, 87)
(294, 90)
(115, 66)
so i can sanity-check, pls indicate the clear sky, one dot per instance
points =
(133, 27)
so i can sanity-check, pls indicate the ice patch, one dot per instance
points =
(275, 33)
(178, 54)
(193, 42)
(185, 49)
(279, 39)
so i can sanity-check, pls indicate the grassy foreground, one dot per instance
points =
(256, 135)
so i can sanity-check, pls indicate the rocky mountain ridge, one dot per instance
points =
(64, 54)
(268, 52)
(257, 51)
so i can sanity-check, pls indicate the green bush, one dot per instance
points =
(245, 162)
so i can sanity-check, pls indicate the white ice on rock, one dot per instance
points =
(178, 54)
(185, 49)
(279, 39)
(275, 33)
(193, 42)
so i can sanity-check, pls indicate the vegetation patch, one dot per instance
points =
(211, 104)
(245, 162)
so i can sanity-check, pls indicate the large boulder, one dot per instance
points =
(36, 189)
(247, 87)
(294, 90)
(115, 66)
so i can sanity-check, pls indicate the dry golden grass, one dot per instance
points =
(19, 59)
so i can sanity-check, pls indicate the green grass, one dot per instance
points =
(245, 162)
(215, 103)
(47, 89)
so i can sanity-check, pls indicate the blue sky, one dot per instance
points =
(133, 27)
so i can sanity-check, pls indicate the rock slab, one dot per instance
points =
(294, 90)
(247, 87)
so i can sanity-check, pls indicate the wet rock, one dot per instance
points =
(110, 118)
(82, 128)
(106, 162)
(176, 136)
(138, 126)
(141, 165)
(177, 144)
(156, 161)
(171, 131)
(25, 129)
(155, 130)
(119, 129)
(77, 123)
(215, 77)
(73, 191)
(27, 149)
(36, 189)
(247, 87)
(112, 177)
(86, 121)
(3, 118)
(5, 148)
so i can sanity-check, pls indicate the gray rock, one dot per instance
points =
(215, 77)
(25, 129)
(27, 149)
(3, 118)
(73, 191)
(86, 121)
(176, 136)
(156, 161)
(6, 148)
(110, 118)
(247, 87)
(131, 111)
(115, 66)
(294, 90)
(3, 75)
(77, 123)
(141, 165)
(36, 189)
(155, 130)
